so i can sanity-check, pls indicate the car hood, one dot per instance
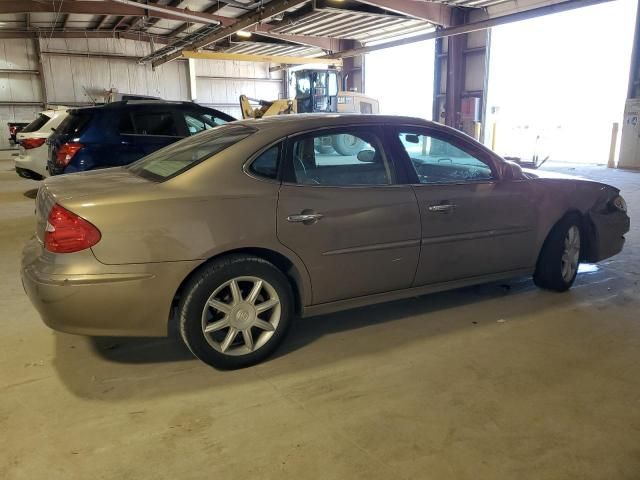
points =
(580, 182)
(78, 185)
(530, 173)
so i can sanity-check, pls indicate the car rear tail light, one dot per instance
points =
(28, 143)
(66, 152)
(66, 232)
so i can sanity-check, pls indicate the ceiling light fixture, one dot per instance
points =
(243, 33)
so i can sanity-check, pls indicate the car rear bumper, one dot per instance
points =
(30, 174)
(607, 238)
(75, 293)
(31, 167)
(54, 169)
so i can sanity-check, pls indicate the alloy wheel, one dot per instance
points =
(571, 253)
(241, 315)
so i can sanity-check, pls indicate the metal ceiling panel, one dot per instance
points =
(261, 48)
(349, 24)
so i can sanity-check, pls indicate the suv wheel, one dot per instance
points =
(236, 311)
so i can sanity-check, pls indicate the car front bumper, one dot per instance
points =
(75, 293)
(608, 234)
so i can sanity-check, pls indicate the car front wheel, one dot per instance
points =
(560, 257)
(236, 311)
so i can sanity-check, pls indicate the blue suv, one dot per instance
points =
(122, 132)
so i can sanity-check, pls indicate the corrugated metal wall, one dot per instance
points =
(78, 78)
(220, 83)
(80, 71)
(17, 54)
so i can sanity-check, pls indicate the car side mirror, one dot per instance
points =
(366, 156)
(512, 171)
(411, 138)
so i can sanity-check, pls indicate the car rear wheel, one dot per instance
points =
(236, 311)
(560, 257)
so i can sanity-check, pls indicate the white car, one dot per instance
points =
(32, 160)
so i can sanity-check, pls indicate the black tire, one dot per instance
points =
(347, 145)
(197, 294)
(549, 269)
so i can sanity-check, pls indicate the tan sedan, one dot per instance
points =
(231, 233)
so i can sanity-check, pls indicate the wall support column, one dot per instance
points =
(634, 71)
(455, 80)
(43, 83)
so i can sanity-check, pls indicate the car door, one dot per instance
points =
(473, 222)
(128, 145)
(347, 215)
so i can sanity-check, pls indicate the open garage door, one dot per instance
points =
(557, 83)
(401, 78)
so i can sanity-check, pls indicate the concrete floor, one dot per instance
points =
(502, 381)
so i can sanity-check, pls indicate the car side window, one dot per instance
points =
(341, 159)
(155, 123)
(438, 161)
(266, 164)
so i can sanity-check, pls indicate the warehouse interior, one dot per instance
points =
(498, 380)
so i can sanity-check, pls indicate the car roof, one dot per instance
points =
(140, 103)
(304, 121)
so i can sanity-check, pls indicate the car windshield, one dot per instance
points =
(181, 156)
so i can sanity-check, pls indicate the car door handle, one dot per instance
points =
(305, 218)
(444, 208)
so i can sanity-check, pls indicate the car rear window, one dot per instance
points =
(179, 157)
(37, 124)
(74, 123)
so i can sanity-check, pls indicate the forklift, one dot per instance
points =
(317, 91)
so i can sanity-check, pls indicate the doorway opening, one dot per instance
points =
(558, 83)
(401, 78)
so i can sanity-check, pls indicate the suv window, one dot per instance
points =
(126, 124)
(155, 123)
(266, 164)
(181, 156)
(74, 123)
(197, 122)
(439, 161)
(215, 119)
(346, 158)
(37, 124)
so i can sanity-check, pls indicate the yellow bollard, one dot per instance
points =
(612, 150)
(477, 127)
(494, 128)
